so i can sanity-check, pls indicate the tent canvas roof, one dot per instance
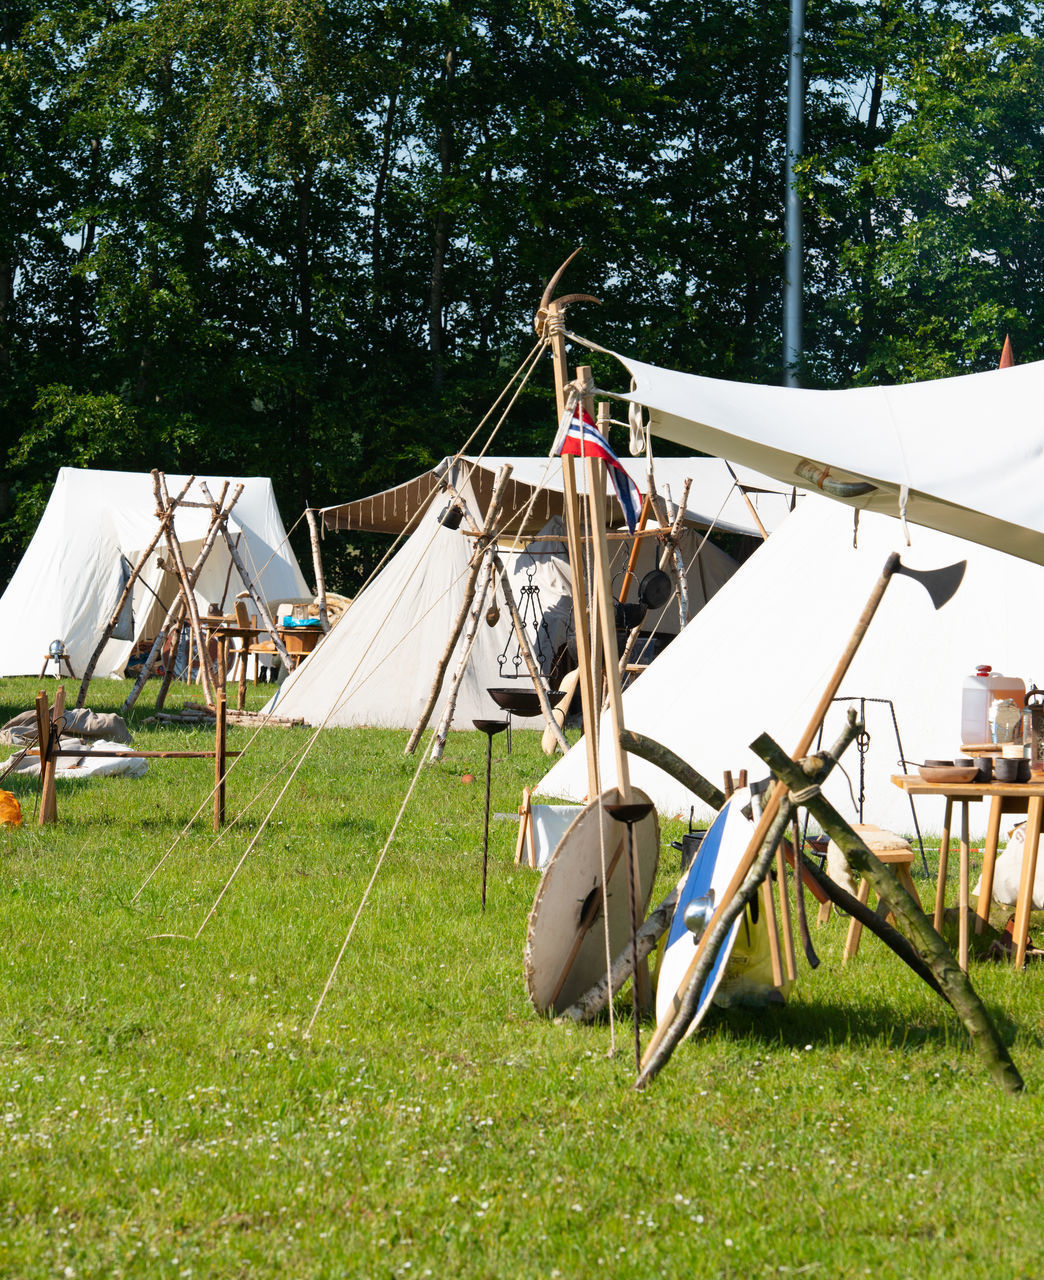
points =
(759, 656)
(70, 577)
(377, 665)
(969, 451)
(713, 496)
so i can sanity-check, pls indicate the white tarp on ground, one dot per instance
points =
(71, 576)
(758, 657)
(377, 665)
(969, 450)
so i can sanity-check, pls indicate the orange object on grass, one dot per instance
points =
(10, 810)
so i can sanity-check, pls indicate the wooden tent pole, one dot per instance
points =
(438, 746)
(632, 559)
(255, 595)
(571, 507)
(185, 585)
(606, 615)
(477, 559)
(168, 674)
(228, 577)
(317, 564)
(750, 505)
(135, 573)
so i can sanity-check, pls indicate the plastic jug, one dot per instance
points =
(975, 706)
(978, 694)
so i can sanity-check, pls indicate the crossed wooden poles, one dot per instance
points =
(183, 612)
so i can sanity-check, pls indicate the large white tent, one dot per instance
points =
(758, 657)
(95, 525)
(964, 455)
(377, 665)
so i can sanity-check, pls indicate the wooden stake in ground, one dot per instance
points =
(48, 728)
(220, 742)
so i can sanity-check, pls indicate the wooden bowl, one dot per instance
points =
(947, 773)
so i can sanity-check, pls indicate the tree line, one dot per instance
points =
(305, 238)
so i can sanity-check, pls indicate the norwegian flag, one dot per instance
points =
(583, 439)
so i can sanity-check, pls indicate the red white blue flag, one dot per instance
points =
(583, 439)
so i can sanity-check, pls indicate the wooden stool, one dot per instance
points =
(889, 848)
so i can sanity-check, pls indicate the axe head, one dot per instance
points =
(941, 584)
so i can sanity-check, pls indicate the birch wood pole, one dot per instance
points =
(185, 586)
(592, 1002)
(135, 573)
(956, 987)
(174, 614)
(673, 549)
(482, 542)
(438, 745)
(248, 581)
(168, 674)
(317, 563)
(527, 654)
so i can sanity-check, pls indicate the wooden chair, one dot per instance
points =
(890, 849)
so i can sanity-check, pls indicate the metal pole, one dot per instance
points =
(792, 286)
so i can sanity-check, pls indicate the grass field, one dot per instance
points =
(163, 1114)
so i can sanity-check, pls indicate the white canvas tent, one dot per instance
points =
(963, 455)
(758, 657)
(377, 665)
(71, 576)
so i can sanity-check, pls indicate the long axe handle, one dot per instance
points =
(777, 794)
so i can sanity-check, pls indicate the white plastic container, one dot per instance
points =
(975, 706)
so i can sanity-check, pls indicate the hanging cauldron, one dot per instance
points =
(451, 516)
(654, 590)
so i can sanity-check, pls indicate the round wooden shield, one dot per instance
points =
(565, 942)
(705, 882)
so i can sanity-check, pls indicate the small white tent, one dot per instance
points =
(377, 665)
(95, 525)
(758, 657)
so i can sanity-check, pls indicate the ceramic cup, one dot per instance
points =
(984, 764)
(1005, 770)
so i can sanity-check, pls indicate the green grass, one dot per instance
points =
(163, 1114)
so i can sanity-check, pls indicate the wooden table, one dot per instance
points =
(299, 642)
(1004, 797)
